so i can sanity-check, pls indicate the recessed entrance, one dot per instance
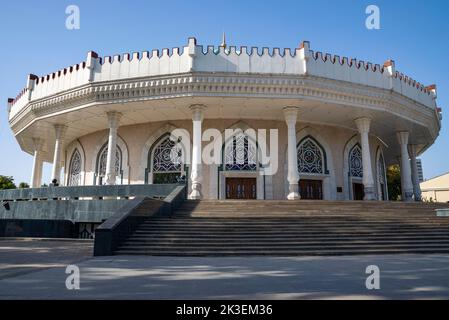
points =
(241, 188)
(358, 191)
(311, 189)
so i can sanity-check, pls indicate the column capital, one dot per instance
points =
(197, 111)
(403, 137)
(114, 119)
(412, 150)
(363, 124)
(38, 144)
(290, 114)
(60, 131)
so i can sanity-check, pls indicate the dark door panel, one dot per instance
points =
(311, 189)
(241, 188)
(358, 191)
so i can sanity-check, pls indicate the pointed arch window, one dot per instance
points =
(75, 169)
(311, 157)
(166, 161)
(381, 177)
(102, 162)
(355, 162)
(240, 153)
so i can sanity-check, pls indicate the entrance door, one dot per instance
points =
(311, 189)
(358, 191)
(241, 188)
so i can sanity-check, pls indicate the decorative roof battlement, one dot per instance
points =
(301, 61)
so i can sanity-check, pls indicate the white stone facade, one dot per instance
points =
(136, 142)
(340, 121)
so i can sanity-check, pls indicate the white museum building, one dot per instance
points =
(340, 122)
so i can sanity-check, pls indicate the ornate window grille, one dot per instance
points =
(240, 153)
(167, 157)
(355, 162)
(167, 161)
(381, 178)
(310, 157)
(75, 169)
(102, 162)
(381, 170)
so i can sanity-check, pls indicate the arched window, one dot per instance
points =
(166, 161)
(101, 165)
(240, 153)
(311, 157)
(381, 178)
(75, 169)
(355, 162)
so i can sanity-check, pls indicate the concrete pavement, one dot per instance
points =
(143, 277)
(23, 255)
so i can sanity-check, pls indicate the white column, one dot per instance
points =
(363, 125)
(406, 174)
(36, 174)
(291, 115)
(60, 131)
(113, 121)
(415, 176)
(196, 174)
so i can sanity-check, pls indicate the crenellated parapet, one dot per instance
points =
(194, 58)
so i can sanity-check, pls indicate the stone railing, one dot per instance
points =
(86, 192)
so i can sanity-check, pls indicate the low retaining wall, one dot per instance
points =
(110, 234)
(54, 211)
(90, 211)
(37, 228)
(123, 191)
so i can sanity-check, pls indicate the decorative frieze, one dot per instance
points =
(206, 84)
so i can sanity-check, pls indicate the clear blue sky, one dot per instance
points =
(34, 40)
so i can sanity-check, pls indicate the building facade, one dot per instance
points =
(121, 120)
(436, 189)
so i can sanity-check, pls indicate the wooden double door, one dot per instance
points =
(241, 188)
(311, 189)
(358, 191)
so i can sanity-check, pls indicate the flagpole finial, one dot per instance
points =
(223, 41)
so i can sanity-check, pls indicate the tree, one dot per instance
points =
(7, 183)
(394, 182)
(23, 185)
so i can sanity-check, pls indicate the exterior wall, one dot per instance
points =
(193, 57)
(136, 141)
(436, 189)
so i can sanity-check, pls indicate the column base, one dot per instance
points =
(110, 180)
(417, 196)
(293, 192)
(195, 194)
(408, 196)
(369, 194)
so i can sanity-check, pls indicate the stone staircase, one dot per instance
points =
(292, 228)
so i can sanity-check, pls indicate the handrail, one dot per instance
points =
(114, 230)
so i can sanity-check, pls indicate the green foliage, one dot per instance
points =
(394, 182)
(23, 185)
(7, 183)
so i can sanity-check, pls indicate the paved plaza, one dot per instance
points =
(36, 270)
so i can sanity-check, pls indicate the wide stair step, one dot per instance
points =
(291, 228)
